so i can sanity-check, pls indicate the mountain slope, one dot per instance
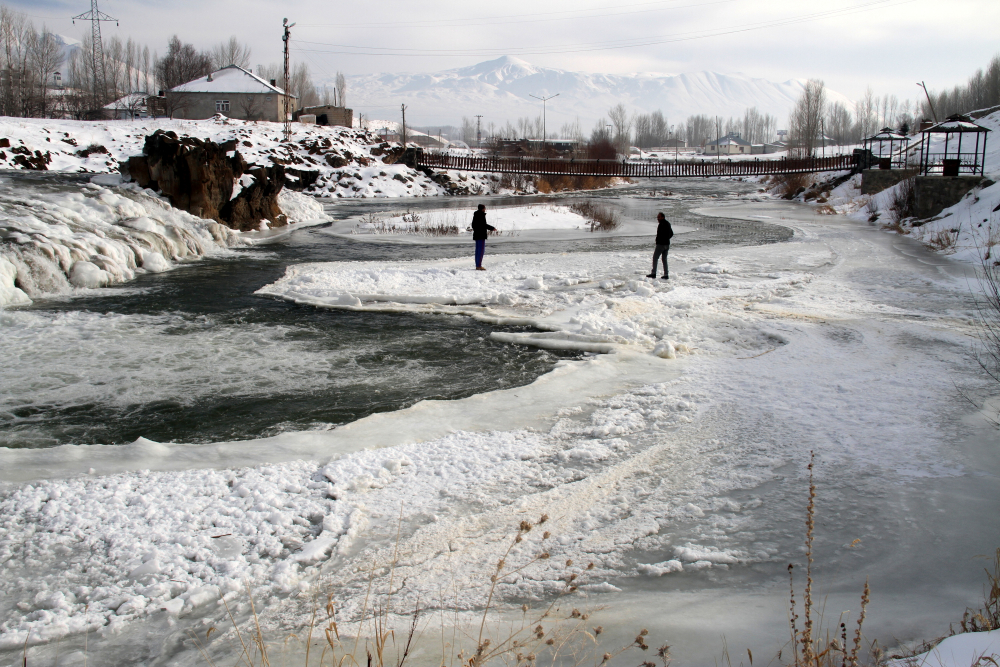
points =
(500, 90)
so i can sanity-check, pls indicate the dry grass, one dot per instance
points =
(602, 218)
(789, 185)
(986, 617)
(411, 223)
(553, 635)
(944, 239)
(902, 204)
(547, 184)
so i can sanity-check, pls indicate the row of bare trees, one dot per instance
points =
(29, 60)
(980, 92)
(37, 79)
(652, 129)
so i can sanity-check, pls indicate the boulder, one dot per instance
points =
(199, 176)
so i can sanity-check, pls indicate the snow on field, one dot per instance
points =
(60, 237)
(349, 162)
(974, 648)
(509, 221)
(743, 362)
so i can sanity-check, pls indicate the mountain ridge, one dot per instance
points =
(501, 90)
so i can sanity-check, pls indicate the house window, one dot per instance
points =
(221, 106)
(267, 99)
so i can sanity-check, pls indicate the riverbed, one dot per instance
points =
(432, 433)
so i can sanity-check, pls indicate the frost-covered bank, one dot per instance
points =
(968, 231)
(669, 474)
(57, 235)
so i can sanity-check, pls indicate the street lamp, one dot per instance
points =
(544, 129)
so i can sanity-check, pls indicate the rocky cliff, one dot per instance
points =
(210, 180)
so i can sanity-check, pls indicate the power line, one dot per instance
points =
(600, 46)
(514, 18)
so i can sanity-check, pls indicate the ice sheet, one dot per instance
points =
(654, 469)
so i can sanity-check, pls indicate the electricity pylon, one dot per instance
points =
(95, 16)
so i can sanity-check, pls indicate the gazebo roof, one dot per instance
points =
(888, 134)
(956, 123)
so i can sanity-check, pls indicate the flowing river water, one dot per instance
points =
(193, 355)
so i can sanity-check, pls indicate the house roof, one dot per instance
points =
(230, 79)
(130, 100)
(729, 140)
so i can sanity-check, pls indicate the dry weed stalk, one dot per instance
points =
(602, 218)
(809, 649)
(988, 616)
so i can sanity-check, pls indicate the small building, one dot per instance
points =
(670, 144)
(425, 141)
(327, 114)
(231, 91)
(133, 105)
(731, 144)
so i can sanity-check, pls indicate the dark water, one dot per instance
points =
(193, 355)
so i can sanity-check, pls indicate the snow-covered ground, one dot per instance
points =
(673, 462)
(536, 222)
(61, 237)
(101, 147)
(967, 231)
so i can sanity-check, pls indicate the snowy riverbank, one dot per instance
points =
(62, 236)
(674, 463)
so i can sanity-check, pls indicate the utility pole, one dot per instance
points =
(95, 16)
(288, 114)
(718, 137)
(479, 134)
(921, 84)
(402, 108)
(545, 136)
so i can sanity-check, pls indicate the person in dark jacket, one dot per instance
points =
(664, 232)
(480, 230)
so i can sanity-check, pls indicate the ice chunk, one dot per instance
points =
(87, 274)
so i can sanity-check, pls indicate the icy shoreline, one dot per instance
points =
(844, 341)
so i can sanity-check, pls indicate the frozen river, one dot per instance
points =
(288, 441)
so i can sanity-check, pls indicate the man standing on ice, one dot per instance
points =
(664, 232)
(480, 230)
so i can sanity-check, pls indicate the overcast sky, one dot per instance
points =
(849, 44)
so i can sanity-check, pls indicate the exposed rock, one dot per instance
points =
(200, 176)
(300, 179)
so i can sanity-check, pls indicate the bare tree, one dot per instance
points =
(805, 122)
(988, 321)
(340, 85)
(46, 58)
(622, 125)
(840, 123)
(15, 39)
(230, 53)
(250, 106)
(866, 115)
(181, 64)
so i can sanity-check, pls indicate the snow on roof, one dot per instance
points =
(229, 79)
(957, 123)
(130, 100)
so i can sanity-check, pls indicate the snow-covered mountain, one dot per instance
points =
(500, 90)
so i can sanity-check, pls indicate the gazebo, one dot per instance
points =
(942, 152)
(888, 148)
